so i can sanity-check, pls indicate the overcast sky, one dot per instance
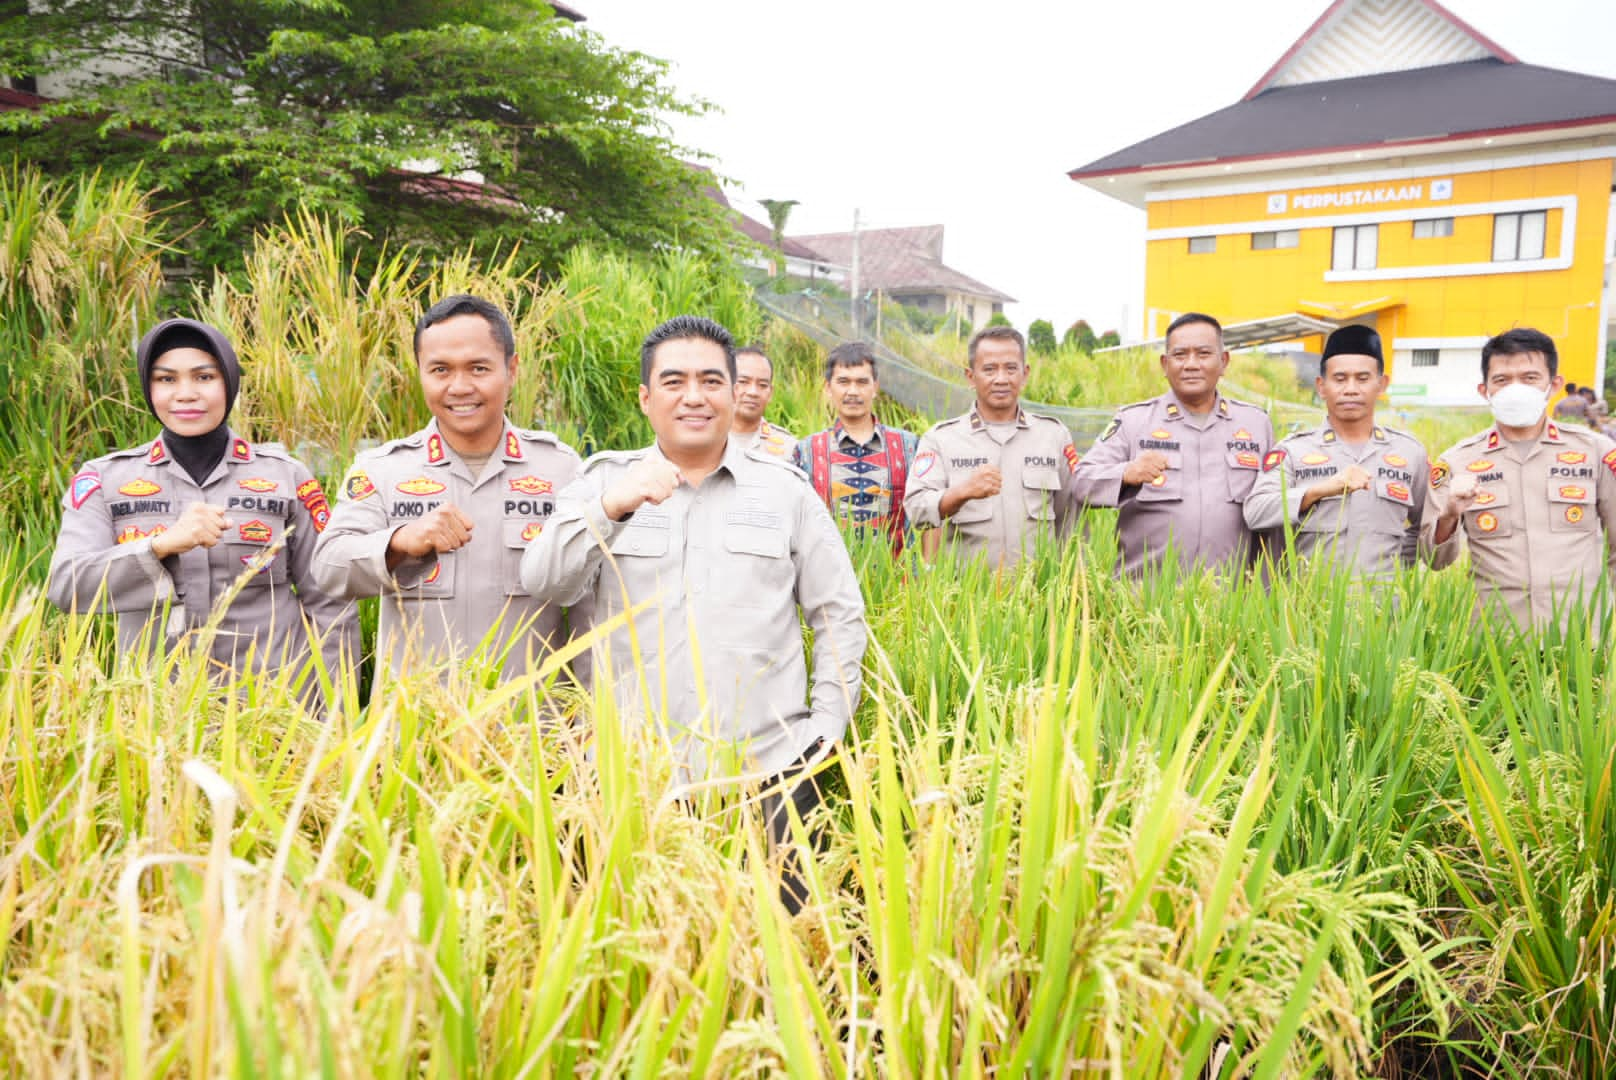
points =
(970, 115)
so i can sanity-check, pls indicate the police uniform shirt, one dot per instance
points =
(773, 440)
(1371, 532)
(1035, 457)
(730, 561)
(1543, 525)
(441, 606)
(1212, 463)
(116, 504)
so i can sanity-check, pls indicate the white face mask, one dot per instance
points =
(1518, 405)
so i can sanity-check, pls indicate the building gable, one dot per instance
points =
(1354, 38)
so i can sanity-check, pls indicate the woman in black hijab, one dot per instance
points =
(165, 529)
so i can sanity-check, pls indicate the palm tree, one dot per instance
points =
(779, 210)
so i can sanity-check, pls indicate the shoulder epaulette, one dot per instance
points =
(129, 451)
(272, 449)
(602, 457)
(764, 458)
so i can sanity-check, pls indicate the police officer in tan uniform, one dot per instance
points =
(995, 479)
(1179, 467)
(1534, 501)
(719, 547)
(180, 519)
(435, 523)
(1352, 490)
(754, 389)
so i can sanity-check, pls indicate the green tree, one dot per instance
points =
(1080, 335)
(367, 110)
(999, 318)
(1041, 337)
(779, 210)
(1108, 340)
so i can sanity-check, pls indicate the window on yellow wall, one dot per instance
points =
(1269, 241)
(1519, 236)
(1203, 245)
(1356, 247)
(1433, 228)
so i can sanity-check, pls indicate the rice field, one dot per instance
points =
(1184, 827)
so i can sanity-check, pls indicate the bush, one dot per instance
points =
(1041, 337)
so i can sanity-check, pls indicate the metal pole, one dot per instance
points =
(857, 332)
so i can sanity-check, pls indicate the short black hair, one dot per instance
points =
(1518, 342)
(1572, 388)
(686, 328)
(466, 304)
(850, 354)
(756, 350)
(1189, 318)
(994, 333)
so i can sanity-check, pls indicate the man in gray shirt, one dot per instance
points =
(712, 548)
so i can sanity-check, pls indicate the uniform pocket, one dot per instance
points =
(758, 568)
(1243, 466)
(1488, 516)
(268, 567)
(515, 536)
(1394, 503)
(1040, 487)
(1571, 506)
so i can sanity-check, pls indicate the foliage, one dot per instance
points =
(1108, 340)
(1041, 337)
(999, 318)
(1185, 826)
(79, 284)
(1080, 336)
(240, 112)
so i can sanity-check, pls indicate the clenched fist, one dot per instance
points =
(648, 480)
(444, 530)
(200, 526)
(1144, 468)
(984, 483)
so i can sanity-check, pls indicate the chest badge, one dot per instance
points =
(533, 529)
(1487, 521)
(420, 486)
(258, 484)
(1479, 466)
(1396, 461)
(1573, 514)
(140, 487)
(1315, 459)
(255, 532)
(532, 485)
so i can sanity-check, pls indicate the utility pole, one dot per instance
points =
(857, 331)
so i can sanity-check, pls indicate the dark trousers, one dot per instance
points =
(794, 787)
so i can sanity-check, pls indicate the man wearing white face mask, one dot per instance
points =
(1535, 501)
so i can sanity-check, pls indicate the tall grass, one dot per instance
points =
(1023, 874)
(79, 282)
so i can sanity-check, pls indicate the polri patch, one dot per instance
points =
(1439, 472)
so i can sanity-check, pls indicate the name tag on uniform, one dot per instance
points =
(755, 517)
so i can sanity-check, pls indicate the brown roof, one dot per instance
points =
(900, 260)
(763, 234)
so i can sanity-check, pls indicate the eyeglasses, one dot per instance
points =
(1203, 353)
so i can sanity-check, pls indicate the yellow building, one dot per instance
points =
(1397, 169)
